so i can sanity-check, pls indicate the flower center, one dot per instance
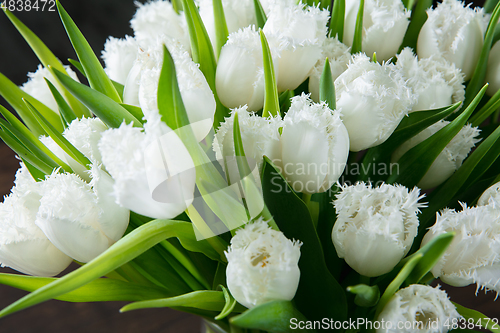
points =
(260, 259)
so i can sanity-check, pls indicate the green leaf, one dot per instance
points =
(129, 247)
(35, 173)
(487, 110)
(326, 87)
(315, 300)
(275, 316)
(229, 306)
(98, 79)
(135, 111)
(418, 18)
(260, 14)
(366, 296)
(100, 290)
(357, 42)
(47, 58)
(271, 98)
(487, 323)
(67, 115)
(408, 4)
(78, 66)
(316, 3)
(109, 111)
(221, 32)
(479, 74)
(337, 20)
(489, 5)
(414, 163)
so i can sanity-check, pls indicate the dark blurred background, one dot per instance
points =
(98, 20)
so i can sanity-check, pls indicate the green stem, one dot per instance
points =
(130, 272)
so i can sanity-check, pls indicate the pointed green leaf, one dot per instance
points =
(78, 66)
(95, 73)
(100, 290)
(243, 167)
(418, 18)
(260, 14)
(326, 87)
(271, 97)
(275, 316)
(337, 20)
(35, 173)
(315, 300)
(110, 112)
(487, 110)
(229, 306)
(357, 42)
(221, 32)
(67, 115)
(366, 296)
(135, 111)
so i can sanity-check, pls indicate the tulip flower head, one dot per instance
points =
(493, 72)
(375, 227)
(23, 246)
(119, 55)
(449, 160)
(384, 26)
(373, 99)
(436, 82)
(455, 33)
(420, 308)
(262, 265)
(491, 195)
(472, 257)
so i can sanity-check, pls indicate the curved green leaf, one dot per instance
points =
(67, 115)
(260, 14)
(271, 97)
(366, 296)
(326, 87)
(357, 42)
(229, 306)
(486, 322)
(491, 106)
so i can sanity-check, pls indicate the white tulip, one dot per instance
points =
(418, 309)
(143, 183)
(158, 18)
(373, 99)
(82, 220)
(314, 146)
(491, 194)
(493, 71)
(436, 82)
(23, 246)
(119, 55)
(141, 88)
(472, 257)
(38, 88)
(268, 4)
(384, 26)
(262, 265)
(299, 32)
(338, 56)
(449, 160)
(375, 227)
(240, 71)
(455, 33)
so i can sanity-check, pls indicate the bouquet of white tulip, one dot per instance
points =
(262, 164)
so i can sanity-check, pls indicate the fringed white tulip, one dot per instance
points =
(449, 160)
(384, 26)
(143, 183)
(490, 196)
(158, 18)
(38, 88)
(23, 246)
(141, 88)
(472, 257)
(375, 227)
(268, 4)
(82, 220)
(373, 99)
(493, 70)
(119, 55)
(455, 33)
(338, 56)
(314, 146)
(299, 32)
(262, 265)
(436, 82)
(418, 309)
(240, 71)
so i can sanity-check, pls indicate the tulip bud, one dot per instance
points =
(141, 88)
(80, 219)
(23, 246)
(240, 71)
(373, 99)
(135, 161)
(449, 160)
(314, 146)
(418, 308)
(472, 257)
(38, 88)
(491, 194)
(435, 82)
(338, 56)
(299, 32)
(262, 265)
(384, 26)
(455, 33)
(493, 71)
(119, 56)
(375, 227)
(158, 18)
